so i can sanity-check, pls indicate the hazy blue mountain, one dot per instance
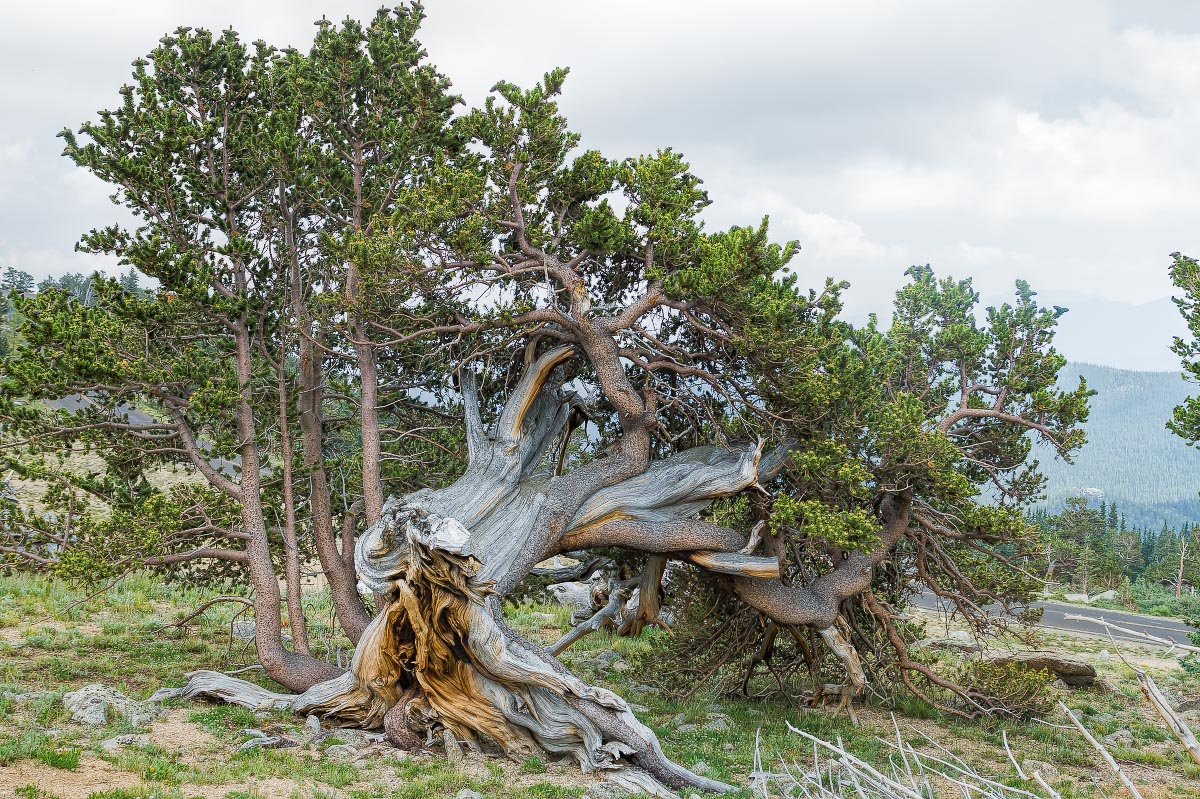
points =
(1130, 456)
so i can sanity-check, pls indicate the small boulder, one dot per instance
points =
(467, 793)
(312, 724)
(687, 728)
(1074, 671)
(576, 595)
(607, 657)
(25, 698)
(262, 742)
(679, 718)
(717, 725)
(95, 704)
(118, 741)
(243, 630)
(700, 767)
(1081, 598)
(341, 752)
(1110, 596)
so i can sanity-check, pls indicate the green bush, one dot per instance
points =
(1008, 689)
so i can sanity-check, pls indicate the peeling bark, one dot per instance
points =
(438, 658)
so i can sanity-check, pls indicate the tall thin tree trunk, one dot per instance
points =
(339, 569)
(291, 553)
(296, 672)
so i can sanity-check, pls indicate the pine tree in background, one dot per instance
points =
(18, 281)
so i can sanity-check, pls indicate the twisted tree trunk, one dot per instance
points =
(439, 657)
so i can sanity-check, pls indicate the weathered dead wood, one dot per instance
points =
(649, 599)
(606, 618)
(1104, 753)
(1167, 642)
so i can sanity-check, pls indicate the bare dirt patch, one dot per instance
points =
(266, 788)
(174, 731)
(93, 774)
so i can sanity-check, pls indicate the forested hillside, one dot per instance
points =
(1130, 456)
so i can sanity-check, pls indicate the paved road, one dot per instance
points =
(1054, 618)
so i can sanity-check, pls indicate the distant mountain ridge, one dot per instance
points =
(1152, 474)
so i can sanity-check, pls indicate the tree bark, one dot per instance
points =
(442, 560)
(291, 553)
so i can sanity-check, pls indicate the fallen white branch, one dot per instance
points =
(1108, 758)
(1167, 642)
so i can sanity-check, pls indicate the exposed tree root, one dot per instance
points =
(439, 659)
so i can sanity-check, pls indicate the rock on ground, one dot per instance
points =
(95, 704)
(1074, 671)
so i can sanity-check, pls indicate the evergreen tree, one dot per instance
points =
(14, 280)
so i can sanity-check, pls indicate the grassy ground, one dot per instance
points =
(54, 638)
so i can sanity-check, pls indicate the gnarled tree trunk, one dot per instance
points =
(439, 656)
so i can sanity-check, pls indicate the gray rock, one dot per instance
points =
(1178, 701)
(95, 704)
(1047, 770)
(243, 630)
(607, 657)
(341, 752)
(262, 742)
(1110, 596)
(312, 724)
(118, 741)
(467, 793)
(679, 718)
(717, 725)
(636, 708)
(1077, 598)
(25, 698)
(576, 595)
(1071, 669)
(638, 688)
(700, 767)
(620, 665)
(687, 728)
(1119, 738)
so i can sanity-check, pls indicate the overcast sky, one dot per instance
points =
(1058, 142)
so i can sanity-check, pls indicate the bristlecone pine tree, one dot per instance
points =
(343, 263)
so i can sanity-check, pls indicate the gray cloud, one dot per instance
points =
(1053, 142)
